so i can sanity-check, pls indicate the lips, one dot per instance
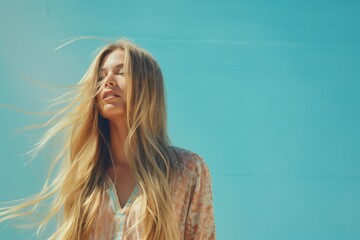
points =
(109, 94)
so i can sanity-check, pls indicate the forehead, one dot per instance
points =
(113, 59)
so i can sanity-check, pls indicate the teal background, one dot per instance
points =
(266, 91)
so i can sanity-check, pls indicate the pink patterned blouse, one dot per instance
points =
(193, 204)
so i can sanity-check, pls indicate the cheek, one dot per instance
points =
(122, 84)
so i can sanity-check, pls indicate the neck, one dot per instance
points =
(118, 134)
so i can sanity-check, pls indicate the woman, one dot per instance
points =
(120, 177)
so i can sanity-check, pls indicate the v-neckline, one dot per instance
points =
(116, 198)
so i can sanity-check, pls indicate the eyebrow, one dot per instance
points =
(121, 65)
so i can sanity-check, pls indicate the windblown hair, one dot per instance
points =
(76, 190)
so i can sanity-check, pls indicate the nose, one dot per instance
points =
(109, 81)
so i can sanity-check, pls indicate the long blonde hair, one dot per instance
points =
(76, 190)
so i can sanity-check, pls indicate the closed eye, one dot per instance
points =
(101, 76)
(120, 70)
(117, 70)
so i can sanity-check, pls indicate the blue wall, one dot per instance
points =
(266, 91)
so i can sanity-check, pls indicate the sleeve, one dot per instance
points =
(200, 222)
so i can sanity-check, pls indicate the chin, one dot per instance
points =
(113, 114)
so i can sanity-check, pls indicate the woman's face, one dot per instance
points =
(110, 99)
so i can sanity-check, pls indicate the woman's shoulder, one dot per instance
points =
(190, 163)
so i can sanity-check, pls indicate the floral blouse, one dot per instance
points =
(192, 197)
